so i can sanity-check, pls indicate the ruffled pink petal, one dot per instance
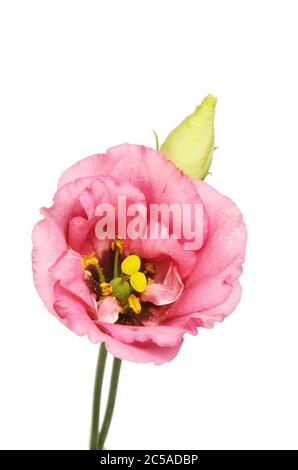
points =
(143, 352)
(167, 292)
(101, 190)
(226, 242)
(69, 272)
(207, 318)
(81, 235)
(163, 336)
(87, 167)
(207, 294)
(159, 178)
(48, 244)
(72, 312)
(108, 310)
(142, 167)
(219, 261)
(66, 203)
(143, 344)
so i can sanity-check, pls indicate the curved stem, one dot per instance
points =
(110, 405)
(100, 367)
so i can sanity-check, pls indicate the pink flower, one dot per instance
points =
(184, 289)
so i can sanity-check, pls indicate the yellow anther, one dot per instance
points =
(131, 265)
(134, 303)
(117, 244)
(91, 259)
(150, 268)
(138, 282)
(150, 280)
(106, 289)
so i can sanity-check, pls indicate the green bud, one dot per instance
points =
(190, 145)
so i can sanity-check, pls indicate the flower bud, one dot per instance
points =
(190, 145)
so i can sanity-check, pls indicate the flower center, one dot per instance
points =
(129, 281)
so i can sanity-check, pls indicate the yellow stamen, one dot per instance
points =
(131, 265)
(106, 288)
(150, 268)
(134, 303)
(91, 259)
(138, 281)
(117, 244)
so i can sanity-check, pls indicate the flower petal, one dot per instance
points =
(108, 310)
(72, 312)
(48, 244)
(143, 352)
(226, 242)
(141, 166)
(69, 272)
(163, 336)
(220, 259)
(167, 292)
(207, 318)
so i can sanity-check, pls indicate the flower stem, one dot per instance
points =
(116, 264)
(100, 367)
(110, 405)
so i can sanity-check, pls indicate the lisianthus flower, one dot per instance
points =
(138, 296)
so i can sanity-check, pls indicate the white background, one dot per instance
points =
(80, 76)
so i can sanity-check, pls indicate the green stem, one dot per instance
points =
(100, 367)
(116, 264)
(110, 405)
(101, 275)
